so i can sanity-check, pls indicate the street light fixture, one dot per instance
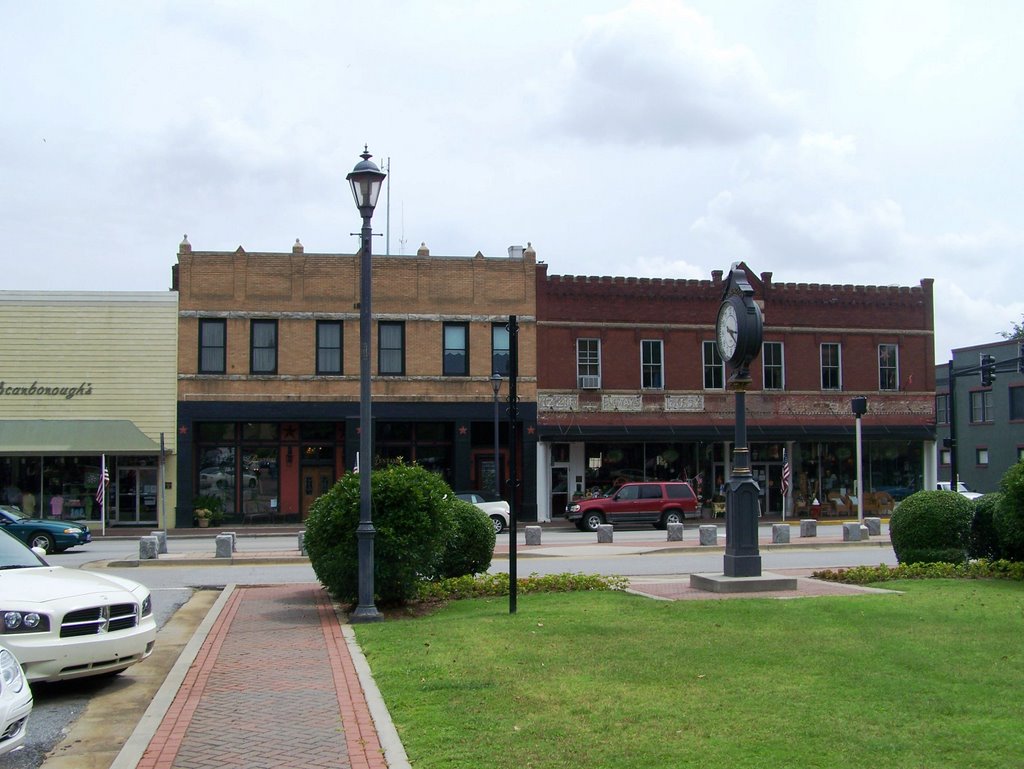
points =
(496, 380)
(366, 180)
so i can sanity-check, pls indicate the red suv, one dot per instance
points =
(657, 502)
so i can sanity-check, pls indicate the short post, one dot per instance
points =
(808, 527)
(223, 544)
(675, 532)
(874, 526)
(851, 532)
(148, 548)
(161, 541)
(604, 533)
(302, 543)
(708, 534)
(780, 533)
(234, 540)
(533, 535)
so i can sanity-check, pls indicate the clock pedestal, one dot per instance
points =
(742, 555)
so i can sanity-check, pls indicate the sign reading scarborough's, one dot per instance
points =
(47, 391)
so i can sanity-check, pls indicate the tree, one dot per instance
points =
(1016, 333)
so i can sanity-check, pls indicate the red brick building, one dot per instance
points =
(630, 386)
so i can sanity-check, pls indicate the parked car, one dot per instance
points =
(497, 509)
(70, 623)
(657, 502)
(15, 703)
(51, 534)
(960, 487)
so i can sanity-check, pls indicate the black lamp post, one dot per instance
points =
(496, 380)
(366, 181)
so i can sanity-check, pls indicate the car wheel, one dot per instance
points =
(671, 516)
(43, 540)
(580, 525)
(591, 521)
(499, 523)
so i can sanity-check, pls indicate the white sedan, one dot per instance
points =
(15, 703)
(66, 623)
(497, 510)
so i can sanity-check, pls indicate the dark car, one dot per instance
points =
(51, 534)
(657, 502)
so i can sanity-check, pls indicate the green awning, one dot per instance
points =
(73, 436)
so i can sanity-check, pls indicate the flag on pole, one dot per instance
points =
(787, 474)
(101, 489)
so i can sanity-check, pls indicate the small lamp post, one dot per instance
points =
(860, 408)
(496, 380)
(366, 181)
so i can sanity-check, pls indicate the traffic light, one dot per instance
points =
(988, 370)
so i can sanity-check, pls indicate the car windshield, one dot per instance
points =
(15, 555)
(12, 513)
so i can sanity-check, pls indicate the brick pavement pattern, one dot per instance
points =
(273, 687)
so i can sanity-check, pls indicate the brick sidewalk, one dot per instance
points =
(273, 687)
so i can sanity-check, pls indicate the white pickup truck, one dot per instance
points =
(961, 487)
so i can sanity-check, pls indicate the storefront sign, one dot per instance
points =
(45, 390)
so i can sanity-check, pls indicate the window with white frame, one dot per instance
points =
(945, 457)
(981, 455)
(588, 364)
(772, 367)
(831, 366)
(714, 367)
(981, 406)
(942, 408)
(652, 364)
(888, 367)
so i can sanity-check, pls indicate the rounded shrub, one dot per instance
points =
(931, 527)
(470, 543)
(411, 516)
(1008, 518)
(984, 542)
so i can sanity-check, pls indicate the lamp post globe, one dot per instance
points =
(366, 180)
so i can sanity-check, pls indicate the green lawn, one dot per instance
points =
(930, 678)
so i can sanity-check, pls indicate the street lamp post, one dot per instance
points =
(496, 379)
(860, 408)
(366, 181)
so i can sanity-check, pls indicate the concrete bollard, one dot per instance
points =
(851, 532)
(224, 543)
(234, 540)
(148, 548)
(708, 534)
(604, 533)
(161, 541)
(808, 527)
(874, 526)
(302, 543)
(675, 532)
(864, 535)
(780, 533)
(533, 535)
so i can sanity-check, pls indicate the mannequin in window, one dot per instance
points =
(28, 503)
(57, 506)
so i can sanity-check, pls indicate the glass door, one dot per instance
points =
(136, 495)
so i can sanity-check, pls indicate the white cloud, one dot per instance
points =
(656, 72)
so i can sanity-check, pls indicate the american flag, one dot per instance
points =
(101, 490)
(787, 473)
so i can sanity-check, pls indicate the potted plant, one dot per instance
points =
(209, 510)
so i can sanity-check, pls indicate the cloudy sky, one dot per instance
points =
(834, 142)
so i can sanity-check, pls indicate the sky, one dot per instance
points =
(864, 142)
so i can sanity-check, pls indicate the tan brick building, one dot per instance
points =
(268, 362)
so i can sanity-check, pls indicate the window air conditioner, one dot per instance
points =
(590, 382)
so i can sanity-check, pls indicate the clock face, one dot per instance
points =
(728, 331)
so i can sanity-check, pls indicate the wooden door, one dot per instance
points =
(315, 482)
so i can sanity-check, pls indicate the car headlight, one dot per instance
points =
(147, 606)
(11, 676)
(25, 622)
(574, 508)
(73, 530)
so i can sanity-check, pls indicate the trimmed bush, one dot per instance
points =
(931, 527)
(469, 546)
(412, 517)
(1008, 518)
(984, 541)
